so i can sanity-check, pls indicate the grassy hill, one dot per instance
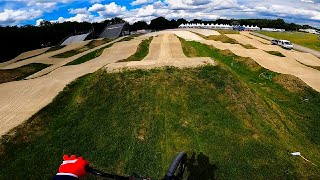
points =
(236, 120)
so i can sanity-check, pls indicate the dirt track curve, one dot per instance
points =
(46, 58)
(165, 50)
(19, 100)
(24, 56)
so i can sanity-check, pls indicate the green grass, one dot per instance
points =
(303, 39)
(276, 53)
(95, 43)
(223, 38)
(142, 51)
(55, 48)
(228, 32)
(248, 46)
(240, 121)
(89, 56)
(128, 38)
(21, 72)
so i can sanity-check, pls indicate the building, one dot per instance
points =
(219, 26)
(76, 38)
(273, 30)
(311, 31)
(116, 30)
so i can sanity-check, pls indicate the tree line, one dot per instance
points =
(16, 40)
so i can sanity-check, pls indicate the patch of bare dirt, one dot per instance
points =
(291, 83)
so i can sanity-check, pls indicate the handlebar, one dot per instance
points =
(106, 175)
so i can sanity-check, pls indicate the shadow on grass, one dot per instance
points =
(200, 168)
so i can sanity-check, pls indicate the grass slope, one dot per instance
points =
(55, 48)
(276, 53)
(128, 38)
(21, 72)
(89, 56)
(303, 39)
(238, 122)
(142, 51)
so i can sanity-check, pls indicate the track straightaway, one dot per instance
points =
(165, 50)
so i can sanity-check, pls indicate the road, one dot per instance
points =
(295, 46)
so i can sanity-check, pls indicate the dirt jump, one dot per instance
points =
(20, 100)
(165, 50)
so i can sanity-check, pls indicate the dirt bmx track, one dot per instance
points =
(284, 65)
(19, 100)
(165, 50)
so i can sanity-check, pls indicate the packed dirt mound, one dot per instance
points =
(164, 50)
(24, 56)
(21, 99)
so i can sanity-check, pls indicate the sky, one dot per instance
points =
(22, 12)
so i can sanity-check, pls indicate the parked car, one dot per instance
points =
(285, 44)
(274, 42)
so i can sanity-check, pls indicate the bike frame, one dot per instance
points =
(177, 166)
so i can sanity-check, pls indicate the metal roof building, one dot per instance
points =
(76, 38)
(115, 31)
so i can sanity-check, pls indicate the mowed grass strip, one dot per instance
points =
(128, 38)
(223, 38)
(89, 56)
(228, 31)
(300, 38)
(239, 124)
(276, 53)
(142, 51)
(55, 48)
(248, 46)
(8, 75)
(97, 42)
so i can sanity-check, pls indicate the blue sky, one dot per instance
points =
(21, 12)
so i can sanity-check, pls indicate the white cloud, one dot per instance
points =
(79, 11)
(78, 18)
(141, 2)
(38, 22)
(9, 16)
(95, 1)
(97, 7)
(293, 11)
(108, 10)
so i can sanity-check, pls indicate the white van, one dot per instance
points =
(285, 44)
